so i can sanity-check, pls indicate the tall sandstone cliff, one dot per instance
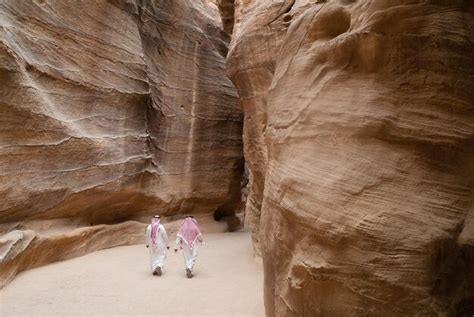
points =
(111, 109)
(359, 138)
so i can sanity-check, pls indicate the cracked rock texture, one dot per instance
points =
(359, 139)
(114, 109)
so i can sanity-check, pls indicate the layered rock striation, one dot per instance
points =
(110, 111)
(113, 109)
(359, 138)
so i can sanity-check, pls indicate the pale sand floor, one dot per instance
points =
(228, 282)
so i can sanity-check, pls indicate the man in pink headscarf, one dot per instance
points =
(186, 239)
(157, 242)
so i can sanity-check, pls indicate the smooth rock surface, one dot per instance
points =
(21, 250)
(359, 138)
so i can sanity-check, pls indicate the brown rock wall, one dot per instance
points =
(113, 109)
(110, 111)
(359, 137)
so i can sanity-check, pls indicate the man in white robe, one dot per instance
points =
(157, 242)
(186, 239)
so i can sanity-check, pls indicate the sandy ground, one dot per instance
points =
(228, 282)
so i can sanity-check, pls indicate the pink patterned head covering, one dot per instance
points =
(155, 227)
(189, 231)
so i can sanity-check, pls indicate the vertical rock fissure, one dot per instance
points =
(227, 12)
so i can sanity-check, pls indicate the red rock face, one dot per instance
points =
(113, 109)
(359, 137)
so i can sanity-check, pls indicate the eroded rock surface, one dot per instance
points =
(110, 111)
(113, 109)
(37, 243)
(25, 249)
(359, 138)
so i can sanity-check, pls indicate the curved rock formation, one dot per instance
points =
(38, 243)
(110, 111)
(25, 249)
(359, 137)
(114, 109)
(251, 64)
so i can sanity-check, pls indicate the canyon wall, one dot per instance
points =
(111, 111)
(359, 139)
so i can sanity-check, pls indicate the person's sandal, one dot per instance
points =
(158, 271)
(189, 274)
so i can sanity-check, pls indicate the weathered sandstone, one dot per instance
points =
(359, 138)
(111, 111)
(114, 109)
(25, 249)
(37, 243)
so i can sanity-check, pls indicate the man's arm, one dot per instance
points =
(178, 242)
(147, 236)
(164, 236)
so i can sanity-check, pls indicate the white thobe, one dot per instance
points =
(158, 251)
(189, 254)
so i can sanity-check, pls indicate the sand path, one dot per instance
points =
(113, 282)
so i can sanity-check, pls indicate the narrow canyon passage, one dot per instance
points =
(228, 282)
(342, 131)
